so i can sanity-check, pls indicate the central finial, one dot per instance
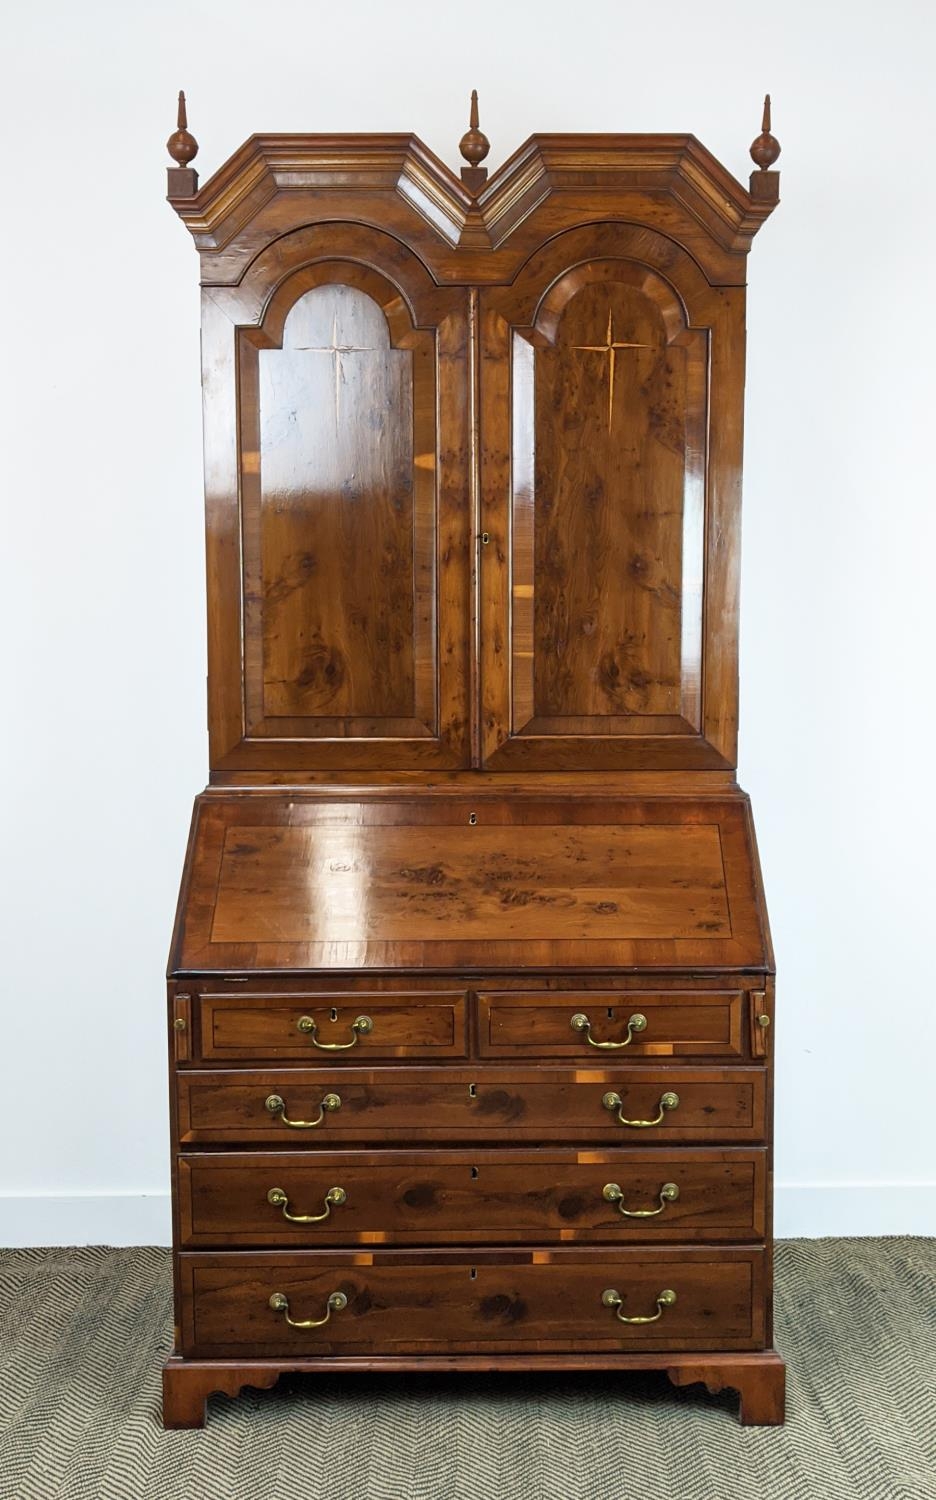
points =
(474, 147)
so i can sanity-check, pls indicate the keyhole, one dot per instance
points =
(472, 1091)
(472, 818)
(474, 1173)
(610, 1013)
(334, 1014)
(473, 1273)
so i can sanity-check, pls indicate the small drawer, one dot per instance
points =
(596, 1023)
(326, 1028)
(300, 1199)
(615, 1106)
(413, 1302)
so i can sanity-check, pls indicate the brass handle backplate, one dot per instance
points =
(582, 1024)
(361, 1026)
(611, 1298)
(337, 1302)
(277, 1106)
(279, 1199)
(612, 1193)
(614, 1101)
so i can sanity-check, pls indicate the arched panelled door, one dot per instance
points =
(345, 514)
(600, 368)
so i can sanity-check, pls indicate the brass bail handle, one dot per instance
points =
(614, 1101)
(611, 1298)
(582, 1024)
(361, 1026)
(612, 1193)
(277, 1106)
(335, 1196)
(337, 1302)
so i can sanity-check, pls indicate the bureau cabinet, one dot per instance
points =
(471, 990)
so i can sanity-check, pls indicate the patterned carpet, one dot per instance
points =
(83, 1332)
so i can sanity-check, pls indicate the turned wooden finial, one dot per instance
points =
(183, 148)
(474, 147)
(766, 148)
(182, 145)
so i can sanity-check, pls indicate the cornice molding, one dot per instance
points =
(604, 169)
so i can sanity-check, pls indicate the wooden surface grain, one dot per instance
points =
(299, 882)
(487, 1103)
(424, 1301)
(490, 1195)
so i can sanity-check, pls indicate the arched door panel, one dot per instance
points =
(598, 494)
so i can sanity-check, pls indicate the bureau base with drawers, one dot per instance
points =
(542, 1141)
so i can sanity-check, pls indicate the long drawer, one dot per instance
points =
(412, 1302)
(301, 1198)
(298, 1106)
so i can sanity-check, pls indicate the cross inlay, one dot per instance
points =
(610, 347)
(337, 350)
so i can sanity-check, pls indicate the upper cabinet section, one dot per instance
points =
(472, 452)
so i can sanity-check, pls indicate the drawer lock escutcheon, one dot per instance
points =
(582, 1024)
(361, 1026)
(612, 1102)
(611, 1298)
(277, 1106)
(334, 1197)
(612, 1193)
(337, 1302)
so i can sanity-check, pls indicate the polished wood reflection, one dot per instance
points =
(305, 882)
(486, 1195)
(338, 572)
(338, 524)
(616, 517)
(606, 595)
(400, 1300)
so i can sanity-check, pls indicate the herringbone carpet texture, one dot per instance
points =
(82, 1334)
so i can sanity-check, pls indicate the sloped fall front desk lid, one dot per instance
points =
(300, 882)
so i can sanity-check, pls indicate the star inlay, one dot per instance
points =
(610, 347)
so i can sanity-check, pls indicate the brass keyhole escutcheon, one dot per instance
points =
(472, 818)
(485, 538)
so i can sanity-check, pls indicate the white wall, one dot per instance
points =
(102, 584)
